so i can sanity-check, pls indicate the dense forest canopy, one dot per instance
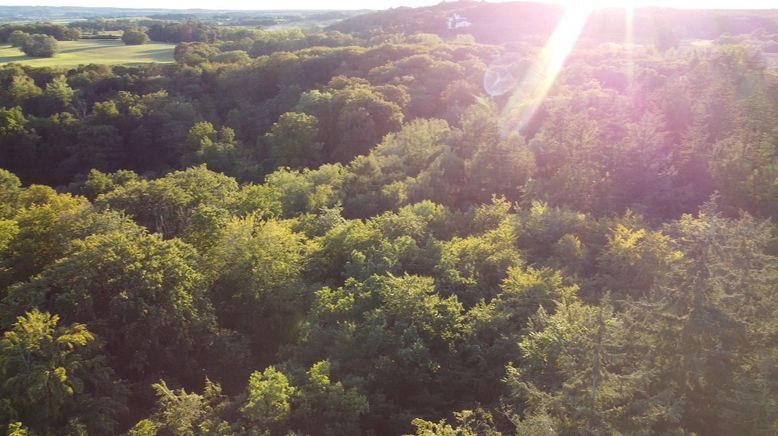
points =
(337, 231)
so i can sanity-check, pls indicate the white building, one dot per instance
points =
(457, 21)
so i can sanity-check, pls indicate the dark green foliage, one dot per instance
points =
(187, 31)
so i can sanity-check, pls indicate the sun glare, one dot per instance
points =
(629, 20)
(526, 99)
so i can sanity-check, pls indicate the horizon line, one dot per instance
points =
(561, 3)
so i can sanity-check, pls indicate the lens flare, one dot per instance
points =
(629, 30)
(528, 96)
(504, 74)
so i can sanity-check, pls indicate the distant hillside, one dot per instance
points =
(491, 22)
(502, 22)
(73, 13)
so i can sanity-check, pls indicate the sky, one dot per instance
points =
(362, 4)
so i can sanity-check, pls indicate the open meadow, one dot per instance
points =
(93, 51)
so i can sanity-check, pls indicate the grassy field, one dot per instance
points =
(93, 51)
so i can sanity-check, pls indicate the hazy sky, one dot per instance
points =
(358, 4)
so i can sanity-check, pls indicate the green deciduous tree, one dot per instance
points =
(268, 400)
(134, 37)
(325, 406)
(396, 335)
(18, 38)
(55, 376)
(40, 46)
(258, 288)
(59, 94)
(150, 287)
(293, 141)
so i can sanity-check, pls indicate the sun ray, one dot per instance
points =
(629, 27)
(526, 99)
